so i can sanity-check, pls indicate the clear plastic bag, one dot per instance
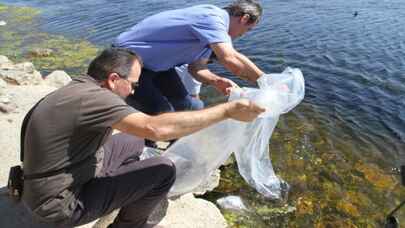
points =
(199, 154)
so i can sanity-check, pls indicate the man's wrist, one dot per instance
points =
(214, 81)
(227, 109)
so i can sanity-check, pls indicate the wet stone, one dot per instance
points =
(40, 52)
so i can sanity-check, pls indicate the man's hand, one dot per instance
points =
(224, 85)
(243, 110)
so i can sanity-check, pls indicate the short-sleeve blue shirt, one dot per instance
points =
(176, 37)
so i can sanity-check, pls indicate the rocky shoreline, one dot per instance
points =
(21, 86)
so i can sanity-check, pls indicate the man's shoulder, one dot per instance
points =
(206, 9)
(190, 12)
(207, 6)
(80, 89)
(211, 18)
(84, 84)
(207, 15)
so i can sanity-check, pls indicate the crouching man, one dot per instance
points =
(76, 171)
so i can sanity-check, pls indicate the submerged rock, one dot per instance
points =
(305, 206)
(375, 175)
(40, 52)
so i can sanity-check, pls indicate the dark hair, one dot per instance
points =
(242, 7)
(112, 60)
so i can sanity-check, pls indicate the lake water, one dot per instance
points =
(354, 64)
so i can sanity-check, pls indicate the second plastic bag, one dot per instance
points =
(198, 155)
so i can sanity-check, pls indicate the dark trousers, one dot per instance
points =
(160, 92)
(134, 186)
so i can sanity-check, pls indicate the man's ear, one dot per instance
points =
(110, 82)
(245, 19)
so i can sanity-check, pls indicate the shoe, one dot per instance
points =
(150, 143)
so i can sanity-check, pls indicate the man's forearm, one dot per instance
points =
(201, 73)
(205, 76)
(223, 85)
(250, 70)
(173, 125)
(176, 125)
(242, 67)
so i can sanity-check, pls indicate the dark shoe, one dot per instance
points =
(150, 143)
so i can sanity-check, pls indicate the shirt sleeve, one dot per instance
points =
(211, 28)
(102, 109)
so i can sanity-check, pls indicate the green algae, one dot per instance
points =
(24, 14)
(3, 8)
(332, 185)
(10, 44)
(70, 55)
(21, 36)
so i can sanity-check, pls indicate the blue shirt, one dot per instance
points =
(176, 37)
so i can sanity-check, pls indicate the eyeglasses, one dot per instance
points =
(134, 85)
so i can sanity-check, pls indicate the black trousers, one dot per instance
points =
(160, 92)
(134, 186)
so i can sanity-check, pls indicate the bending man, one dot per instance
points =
(188, 36)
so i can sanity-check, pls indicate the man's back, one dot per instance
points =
(176, 37)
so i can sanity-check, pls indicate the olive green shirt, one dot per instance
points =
(66, 131)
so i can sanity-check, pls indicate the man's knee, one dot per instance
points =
(167, 166)
(167, 170)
